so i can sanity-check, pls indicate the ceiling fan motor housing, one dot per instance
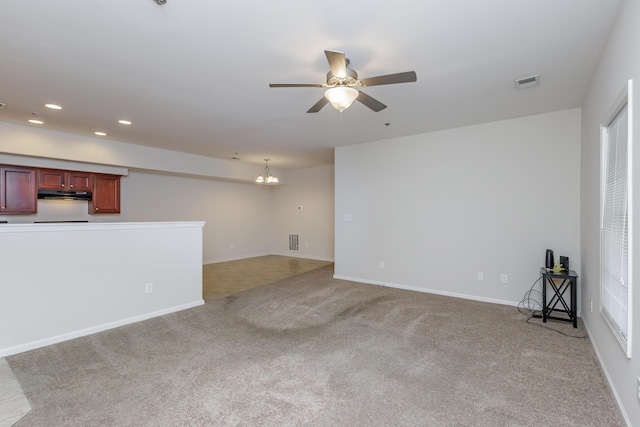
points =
(351, 78)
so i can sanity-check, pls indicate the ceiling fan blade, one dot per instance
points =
(406, 77)
(318, 105)
(295, 85)
(370, 102)
(337, 63)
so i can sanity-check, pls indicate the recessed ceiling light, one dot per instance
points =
(36, 122)
(100, 133)
(124, 122)
(53, 106)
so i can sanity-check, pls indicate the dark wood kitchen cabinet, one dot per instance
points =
(53, 179)
(18, 190)
(106, 194)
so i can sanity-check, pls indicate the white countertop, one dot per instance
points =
(87, 226)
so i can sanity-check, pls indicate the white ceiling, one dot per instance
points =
(193, 75)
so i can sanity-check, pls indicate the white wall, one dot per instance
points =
(619, 63)
(62, 281)
(438, 208)
(238, 220)
(312, 190)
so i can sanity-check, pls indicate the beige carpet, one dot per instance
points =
(311, 350)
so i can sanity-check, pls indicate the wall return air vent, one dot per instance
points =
(293, 242)
(527, 82)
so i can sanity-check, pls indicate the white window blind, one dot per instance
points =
(614, 241)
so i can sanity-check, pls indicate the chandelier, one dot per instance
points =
(267, 178)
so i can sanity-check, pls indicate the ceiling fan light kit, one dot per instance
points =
(341, 97)
(341, 82)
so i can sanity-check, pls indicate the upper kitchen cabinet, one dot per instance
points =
(52, 179)
(106, 194)
(18, 190)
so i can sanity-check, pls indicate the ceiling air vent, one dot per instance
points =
(526, 82)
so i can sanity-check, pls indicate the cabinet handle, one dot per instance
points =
(96, 209)
(71, 186)
(62, 185)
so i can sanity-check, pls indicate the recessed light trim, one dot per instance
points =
(124, 122)
(36, 122)
(100, 133)
(53, 106)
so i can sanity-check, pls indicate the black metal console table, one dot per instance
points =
(560, 283)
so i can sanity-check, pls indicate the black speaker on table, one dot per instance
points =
(548, 260)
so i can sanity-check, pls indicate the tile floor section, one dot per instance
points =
(219, 280)
(13, 403)
(227, 278)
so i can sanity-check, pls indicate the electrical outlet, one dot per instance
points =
(504, 278)
(480, 275)
(381, 264)
(148, 288)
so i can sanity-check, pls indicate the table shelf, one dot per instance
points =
(559, 283)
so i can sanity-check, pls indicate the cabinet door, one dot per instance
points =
(79, 181)
(18, 190)
(106, 194)
(51, 179)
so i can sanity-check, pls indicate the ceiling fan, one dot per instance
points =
(342, 81)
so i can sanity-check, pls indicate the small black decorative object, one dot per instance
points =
(564, 261)
(548, 260)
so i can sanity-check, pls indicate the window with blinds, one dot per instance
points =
(614, 231)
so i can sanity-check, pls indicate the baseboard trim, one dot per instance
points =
(94, 329)
(428, 291)
(616, 395)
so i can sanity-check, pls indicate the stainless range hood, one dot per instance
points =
(64, 195)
